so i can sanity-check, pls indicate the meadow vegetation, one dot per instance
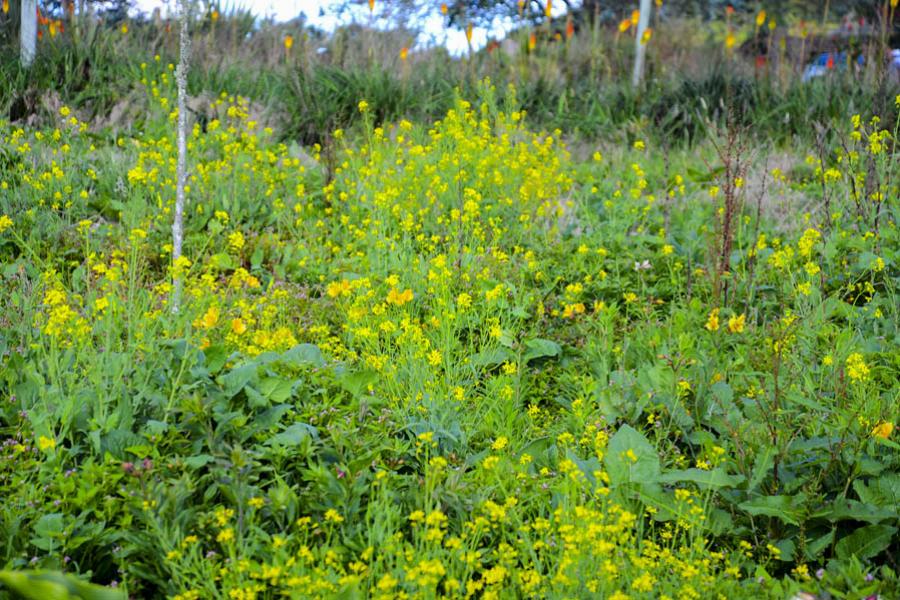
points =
(435, 345)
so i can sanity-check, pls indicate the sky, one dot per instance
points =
(433, 30)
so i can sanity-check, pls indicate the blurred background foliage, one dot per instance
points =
(708, 61)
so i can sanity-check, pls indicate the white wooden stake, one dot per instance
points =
(181, 81)
(28, 31)
(640, 47)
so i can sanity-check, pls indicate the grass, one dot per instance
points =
(451, 351)
(577, 85)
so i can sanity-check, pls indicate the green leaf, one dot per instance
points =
(540, 348)
(715, 478)
(723, 392)
(883, 491)
(815, 548)
(50, 525)
(216, 356)
(51, 585)
(784, 508)
(865, 542)
(641, 466)
(118, 440)
(852, 510)
(235, 380)
(587, 467)
(269, 417)
(490, 358)
(761, 466)
(293, 435)
(356, 382)
(304, 354)
(273, 390)
(221, 261)
(196, 462)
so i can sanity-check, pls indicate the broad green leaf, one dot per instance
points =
(50, 525)
(715, 478)
(784, 508)
(275, 389)
(51, 585)
(882, 491)
(196, 462)
(765, 460)
(723, 392)
(293, 435)
(631, 458)
(221, 261)
(853, 510)
(235, 380)
(815, 548)
(865, 542)
(490, 358)
(356, 382)
(304, 354)
(540, 348)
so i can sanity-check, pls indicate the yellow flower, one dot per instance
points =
(399, 298)
(256, 502)
(288, 42)
(736, 324)
(333, 516)
(209, 318)
(857, 369)
(363, 106)
(760, 18)
(236, 241)
(226, 535)
(5, 223)
(435, 358)
(712, 323)
(500, 443)
(45, 443)
(338, 288)
(238, 326)
(101, 304)
(883, 430)
(387, 583)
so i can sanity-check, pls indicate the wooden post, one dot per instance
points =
(639, 47)
(28, 32)
(181, 168)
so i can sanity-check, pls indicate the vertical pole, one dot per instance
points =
(181, 168)
(28, 31)
(640, 48)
